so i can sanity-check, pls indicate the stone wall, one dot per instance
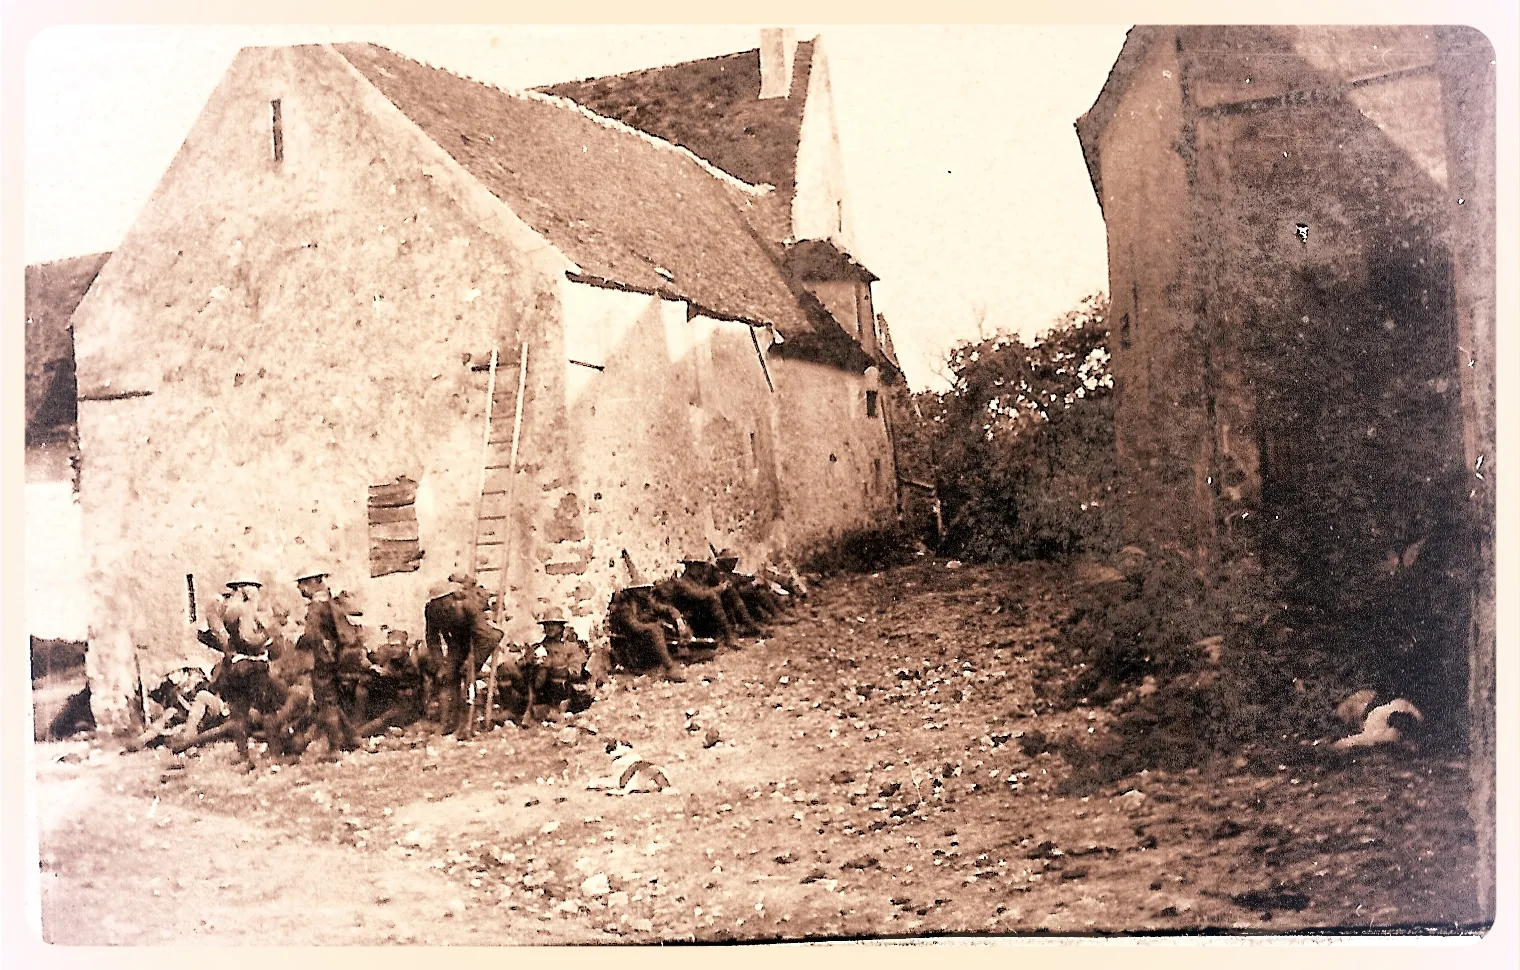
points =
(272, 339)
(1301, 261)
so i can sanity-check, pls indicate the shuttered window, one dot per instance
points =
(393, 540)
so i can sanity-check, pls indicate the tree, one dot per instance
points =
(1023, 441)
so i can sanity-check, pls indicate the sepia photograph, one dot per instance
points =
(624, 485)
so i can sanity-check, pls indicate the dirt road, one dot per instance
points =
(879, 772)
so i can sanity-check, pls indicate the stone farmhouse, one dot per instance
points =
(400, 324)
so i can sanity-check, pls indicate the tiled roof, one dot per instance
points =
(713, 108)
(53, 292)
(623, 206)
(820, 259)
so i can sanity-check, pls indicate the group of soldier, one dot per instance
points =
(295, 682)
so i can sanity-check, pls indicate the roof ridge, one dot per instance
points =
(758, 191)
(612, 124)
(646, 70)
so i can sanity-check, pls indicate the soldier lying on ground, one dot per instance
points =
(764, 605)
(186, 708)
(699, 604)
(638, 638)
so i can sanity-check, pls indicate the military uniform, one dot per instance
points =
(556, 672)
(639, 641)
(763, 605)
(391, 691)
(241, 628)
(455, 622)
(701, 605)
(327, 633)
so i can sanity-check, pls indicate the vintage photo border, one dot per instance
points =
(18, 838)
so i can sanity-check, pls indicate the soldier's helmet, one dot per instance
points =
(243, 581)
(311, 572)
(442, 588)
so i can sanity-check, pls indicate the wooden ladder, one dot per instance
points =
(492, 546)
(488, 558)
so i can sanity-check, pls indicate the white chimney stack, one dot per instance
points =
(778, 45)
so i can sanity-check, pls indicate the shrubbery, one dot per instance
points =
(1023, 443)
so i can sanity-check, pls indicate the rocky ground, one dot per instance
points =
(881, 768)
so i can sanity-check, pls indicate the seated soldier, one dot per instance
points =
(638, 639)
(700, 604)
(555, 675)
(391, 690)
(733, 601)
(763, 604)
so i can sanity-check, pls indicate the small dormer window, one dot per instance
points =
(276, 132)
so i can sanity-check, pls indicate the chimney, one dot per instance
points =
(777, 47)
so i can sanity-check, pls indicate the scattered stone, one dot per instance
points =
(596, 886)
(1227, 829)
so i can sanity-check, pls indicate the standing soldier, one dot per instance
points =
(634, 619)
(240, 627)
(328, 633)
(457, 630)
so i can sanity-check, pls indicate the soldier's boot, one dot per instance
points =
(449, 702)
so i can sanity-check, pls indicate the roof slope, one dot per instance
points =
(711, 107)
(625, 208)
(53, 292)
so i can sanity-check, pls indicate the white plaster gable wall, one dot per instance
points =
(820, 207)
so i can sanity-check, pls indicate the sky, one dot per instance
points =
(970, 197)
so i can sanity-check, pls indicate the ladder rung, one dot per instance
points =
(485, 517)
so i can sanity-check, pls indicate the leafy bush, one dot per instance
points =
(1023, 443)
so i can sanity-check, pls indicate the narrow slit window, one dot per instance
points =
(875, 474)
(1124, 332)
(276, 131)
(871, 404)
(190, 596)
